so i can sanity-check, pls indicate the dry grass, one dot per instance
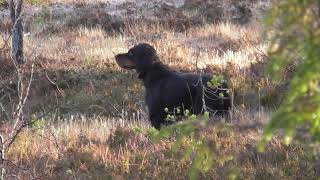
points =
(98, 148)
(216, 45)
(78, 48)
(77, 2)
(102, 143)
(84, 58)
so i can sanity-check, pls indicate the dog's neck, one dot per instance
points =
(154, 73)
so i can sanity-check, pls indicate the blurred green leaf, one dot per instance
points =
(295, 42)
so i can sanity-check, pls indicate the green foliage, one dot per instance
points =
(3, 3)
(191, 141)
(37, 2)
(88, 61)
(172, 116)
(198, 149)
(215, 81)
(295, 31)
(42, 16)
(37, 123)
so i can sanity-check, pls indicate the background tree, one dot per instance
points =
(18, 58)
(17, 31)
(294, 26)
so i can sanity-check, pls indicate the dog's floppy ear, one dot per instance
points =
(124, 62)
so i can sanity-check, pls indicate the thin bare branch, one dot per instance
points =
(19, 123)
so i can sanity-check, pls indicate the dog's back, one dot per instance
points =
(217, 99)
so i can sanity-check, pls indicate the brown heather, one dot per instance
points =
(95, 134)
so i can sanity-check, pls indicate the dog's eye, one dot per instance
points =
(130, 53)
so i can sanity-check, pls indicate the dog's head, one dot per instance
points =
(139, 57)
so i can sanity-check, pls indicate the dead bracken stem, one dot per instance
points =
(204, 107)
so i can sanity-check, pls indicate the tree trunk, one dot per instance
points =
(17, 31)
(17, 42)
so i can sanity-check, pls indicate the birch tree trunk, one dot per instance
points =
(17, 31)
